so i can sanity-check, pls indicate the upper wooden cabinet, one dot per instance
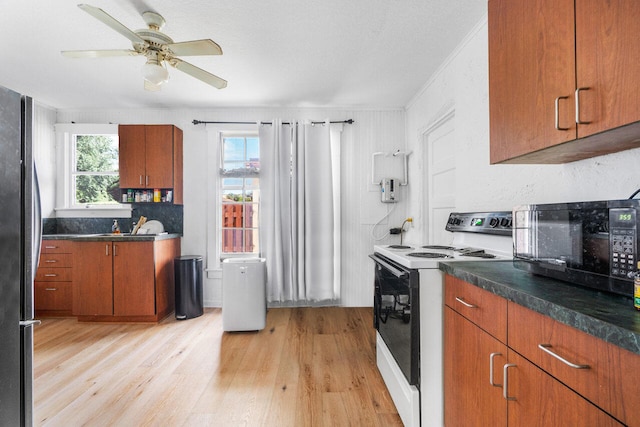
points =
(151, 157)
(563, 79)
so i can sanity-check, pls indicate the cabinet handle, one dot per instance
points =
(115, 250)
(140, 179)
(578, 121)
(51, 247)
(50, 289)
(51, 260)
(466, 304)
(558, 112)
(505, 386)
(545, 348)
(106, 249)
(146, 180)
(491, 357)
(50, 275)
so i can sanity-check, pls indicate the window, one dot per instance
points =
(94, 177)
(240, 192)
(88, 175)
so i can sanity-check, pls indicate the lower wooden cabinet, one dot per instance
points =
(124, 281)
(488, 382)
(53, 286)
(469, 398)
(532, 394)
(53, 298)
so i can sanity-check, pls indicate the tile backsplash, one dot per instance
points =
(171, 216)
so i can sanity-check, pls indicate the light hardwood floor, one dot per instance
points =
(308, 367)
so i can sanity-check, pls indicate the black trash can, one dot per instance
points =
(188, 275)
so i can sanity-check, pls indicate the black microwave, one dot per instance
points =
(594, 244)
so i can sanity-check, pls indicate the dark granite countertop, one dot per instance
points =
(611, 318)
(108, 237)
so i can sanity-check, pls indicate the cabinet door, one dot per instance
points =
(469, 398)
(93, 279)
(608, 48)
(159, 156)
(133, 279)
(132, 156)
(540, 398)
(531, 64)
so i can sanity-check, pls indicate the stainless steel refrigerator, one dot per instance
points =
(20, 236)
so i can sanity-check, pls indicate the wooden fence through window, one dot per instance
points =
(237, 221)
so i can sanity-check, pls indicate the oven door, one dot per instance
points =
(396, 313)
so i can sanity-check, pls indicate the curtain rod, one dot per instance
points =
(200, 122)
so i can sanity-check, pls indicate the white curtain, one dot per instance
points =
(299, 212)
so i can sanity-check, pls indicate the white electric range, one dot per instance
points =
(409, 335)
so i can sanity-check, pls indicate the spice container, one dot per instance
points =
(636, 289)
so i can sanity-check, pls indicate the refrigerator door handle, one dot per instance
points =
(27, 323)
(37, 219)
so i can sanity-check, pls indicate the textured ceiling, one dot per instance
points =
(322, 53)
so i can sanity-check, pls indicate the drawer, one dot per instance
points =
(56, 246)
(48, 274)
(485, 309)
(55, 260)
(609, 381)
(53, 297)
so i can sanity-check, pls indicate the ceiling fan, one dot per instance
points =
(158, 48)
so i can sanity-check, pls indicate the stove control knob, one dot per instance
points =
(494, 222)
(504, 222)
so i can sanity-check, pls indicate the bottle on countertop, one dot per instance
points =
(115, 228)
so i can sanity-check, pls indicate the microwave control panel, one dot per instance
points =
(623, 238)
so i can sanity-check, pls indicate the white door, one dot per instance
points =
(440, 168)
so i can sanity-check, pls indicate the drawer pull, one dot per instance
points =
(51, 260)
(557, 115)
(466, 304)
(50, 275)
(51, 247)
(545, 348)
(491, 357)
(50, 289)
(505, 386)
(578, 121)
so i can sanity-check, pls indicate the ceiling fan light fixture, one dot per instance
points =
(155, 73)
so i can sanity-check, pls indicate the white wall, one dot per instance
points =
(373, 130)
(461, 84)
(44, 153)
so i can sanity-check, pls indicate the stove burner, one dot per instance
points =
(428, 255)
(399, 247)
(478, 255)
(448, 248)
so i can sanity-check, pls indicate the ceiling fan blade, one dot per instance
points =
(195, 47)
(98, 53)
(198, 73)
(110, 21)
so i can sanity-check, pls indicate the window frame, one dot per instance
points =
(65, 170)
(237, 175)
(215, 134)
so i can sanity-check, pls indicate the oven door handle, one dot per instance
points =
(400, 274)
